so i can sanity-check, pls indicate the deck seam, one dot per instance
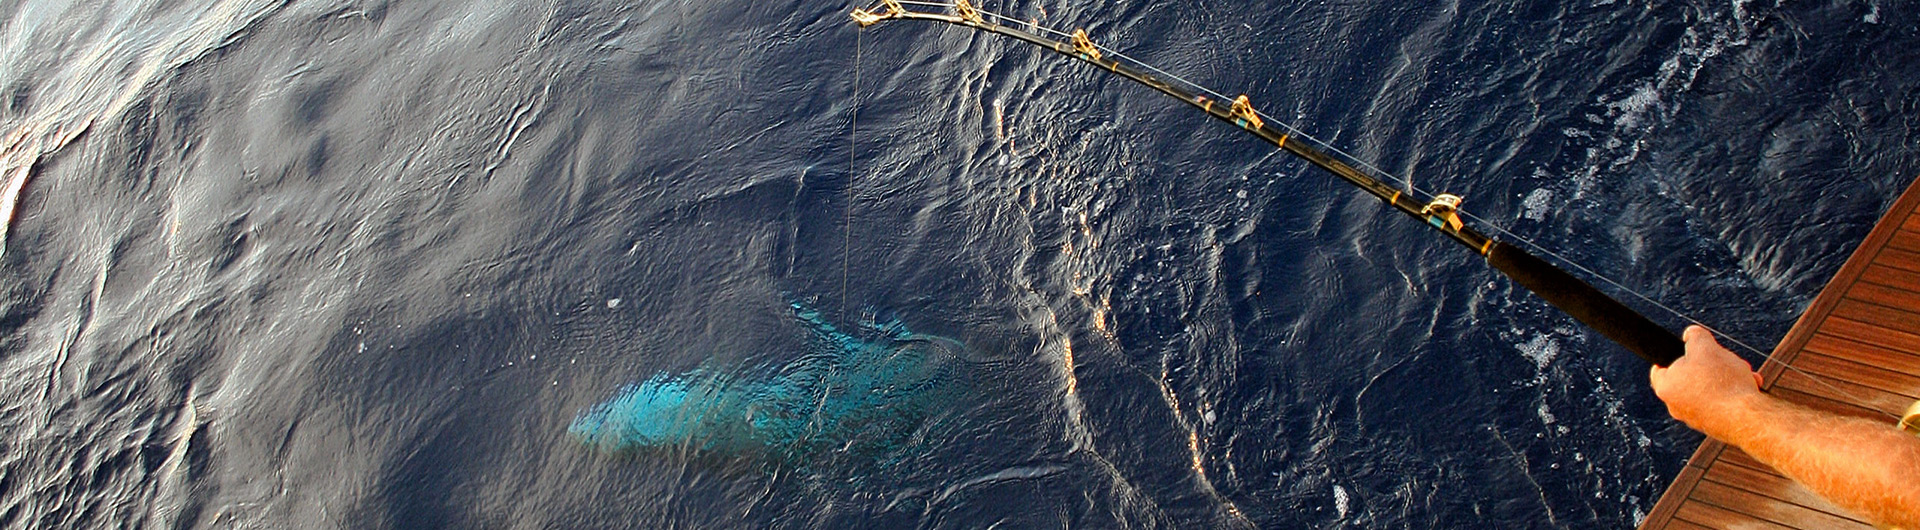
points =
(1851, 344)
(1908, 342)
(1817, 401)
(1829, 510)
(1913, 393)
(1896, 288)
(1906, 261)
(1736, 509)
(1865, 281)
(1776, 499)
(1877, 304)
(1775, 518)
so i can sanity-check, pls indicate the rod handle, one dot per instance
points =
(1611, 318)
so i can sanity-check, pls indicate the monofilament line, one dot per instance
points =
(853, 139)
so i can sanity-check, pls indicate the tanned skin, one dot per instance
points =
(1867, 467)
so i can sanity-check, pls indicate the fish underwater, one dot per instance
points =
(870, 395)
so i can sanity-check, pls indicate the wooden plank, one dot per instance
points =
(1913, 222)
(1858, 331)
(1885, 274)
(1884, 296)
(1762, 507)
(1848, 393)
(1735, 456)
(1676, 493)
(1825, 404)
(1882, 357)
(1908, 386)
(1775, 487)
(1899, 259)
(1879, 315)
(1710, 516)
(1677, 524)
(1905, 240)
(1704, 455)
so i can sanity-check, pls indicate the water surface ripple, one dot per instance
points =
(361, 264)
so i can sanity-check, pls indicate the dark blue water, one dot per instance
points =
(361, 264)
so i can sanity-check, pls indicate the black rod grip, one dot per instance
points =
(1588, 305)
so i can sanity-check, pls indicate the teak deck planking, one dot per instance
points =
(1860, 340)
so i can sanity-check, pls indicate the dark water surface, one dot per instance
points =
(325, 264)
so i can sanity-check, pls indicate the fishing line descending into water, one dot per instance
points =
(853, 141)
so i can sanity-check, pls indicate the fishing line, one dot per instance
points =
(1586, 304)
(853, 137)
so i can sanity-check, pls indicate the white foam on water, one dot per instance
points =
(1541, 349)
(1631, 112)
(1534, 207)
(1645, 106)
(1340, 500)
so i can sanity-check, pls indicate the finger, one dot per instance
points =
(1697, 332)
(1758, 380)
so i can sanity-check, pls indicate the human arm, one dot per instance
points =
(1869, 468)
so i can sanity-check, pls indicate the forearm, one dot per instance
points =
(1862, 466)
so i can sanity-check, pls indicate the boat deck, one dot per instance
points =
(1861, 339)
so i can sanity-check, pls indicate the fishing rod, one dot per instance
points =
(1441, 212)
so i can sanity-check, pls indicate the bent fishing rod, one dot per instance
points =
(1440, 212)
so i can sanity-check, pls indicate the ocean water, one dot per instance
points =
(365, 264)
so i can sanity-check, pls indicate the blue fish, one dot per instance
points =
(865, 395)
